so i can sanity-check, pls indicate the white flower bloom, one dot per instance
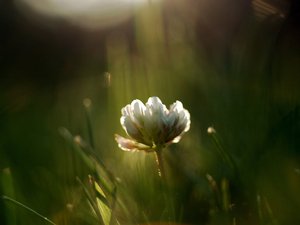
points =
(152, 126)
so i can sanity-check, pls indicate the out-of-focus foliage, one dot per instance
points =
(234, 65)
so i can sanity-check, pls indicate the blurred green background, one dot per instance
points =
(234, 65)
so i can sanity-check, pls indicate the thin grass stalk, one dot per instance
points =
(225, 155)
(6, 198)
(7, 186)
(259, 209)
(90, 151)
(89, 157)
(226, 199)
(270, 212)
(87, 106)
(170, 210)
(113, 206)
(215, 189)
(91, 201)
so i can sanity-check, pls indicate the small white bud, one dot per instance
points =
(87, 102)
(211, 130)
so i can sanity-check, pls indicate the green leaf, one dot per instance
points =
(104, 210)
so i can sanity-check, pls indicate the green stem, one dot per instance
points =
(89, 125)
(167, 194)
(160, 164)
(225, 155)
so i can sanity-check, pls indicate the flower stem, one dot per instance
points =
(160, 164)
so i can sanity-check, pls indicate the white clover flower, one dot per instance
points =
(152, 126)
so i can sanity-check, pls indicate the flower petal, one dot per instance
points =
(179, 122)
(127, 144)
(155, 115)
(184, 115)
(176, 107)
(184, 120)
(156, 106)
(137, 112)
(138, 107)
(131, 128)
(126, 111)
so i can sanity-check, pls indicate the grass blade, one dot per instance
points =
(6, 198)
(8, 189)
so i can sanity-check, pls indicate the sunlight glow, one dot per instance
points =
(88, 13)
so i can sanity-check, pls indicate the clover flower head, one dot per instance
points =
(152, 126)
